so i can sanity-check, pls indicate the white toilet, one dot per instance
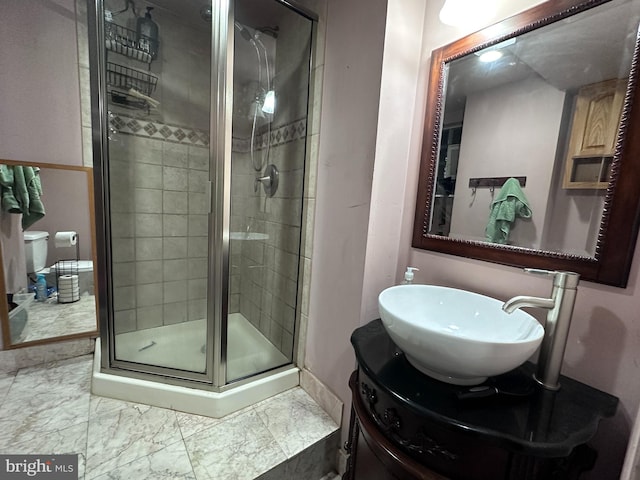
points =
(35, 250)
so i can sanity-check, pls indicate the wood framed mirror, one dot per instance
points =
(558, 110)
(36, 241)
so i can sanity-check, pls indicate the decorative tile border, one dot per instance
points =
(159, 131)
(279, 136)
(287, 133)
(191, 136)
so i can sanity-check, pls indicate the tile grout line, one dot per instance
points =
(4, 398)
(280, 446)
(86, 443)
(184, 443)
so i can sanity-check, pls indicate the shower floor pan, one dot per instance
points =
(179, 346)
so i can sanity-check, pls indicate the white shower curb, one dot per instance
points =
(189, 400)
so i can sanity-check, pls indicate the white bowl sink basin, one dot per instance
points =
(457, 336)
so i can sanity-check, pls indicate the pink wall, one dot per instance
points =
(66, 200)
(39, 85)
(351, 88)
(513, 145)
(574, 221)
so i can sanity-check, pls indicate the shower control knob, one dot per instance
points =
(269, 181)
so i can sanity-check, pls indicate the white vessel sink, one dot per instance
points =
(457, 336)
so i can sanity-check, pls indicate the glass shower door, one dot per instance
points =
(270, 93)
(158, 101)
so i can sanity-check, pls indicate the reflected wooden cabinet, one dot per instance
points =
(594, 130)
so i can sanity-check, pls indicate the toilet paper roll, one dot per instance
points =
(68, 298)
(68, 281)
(68, 278)
(66, 239)
(68, 289)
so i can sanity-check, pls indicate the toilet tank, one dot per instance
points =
(35, 250)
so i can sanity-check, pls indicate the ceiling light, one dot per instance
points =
(460, 13)
(490, 56)
(493, 53)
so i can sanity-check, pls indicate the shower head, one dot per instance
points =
(206, 13)
(243, 31)
(271, 31)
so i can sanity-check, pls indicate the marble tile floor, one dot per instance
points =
(53, 319)
(49, 409)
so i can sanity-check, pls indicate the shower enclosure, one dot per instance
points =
(199, 134)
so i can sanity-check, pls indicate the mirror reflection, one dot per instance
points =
(47, 246)
(542, 108)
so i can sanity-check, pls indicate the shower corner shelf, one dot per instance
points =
(127, 42)
(126, 78)
(123, 99)
(122, 79)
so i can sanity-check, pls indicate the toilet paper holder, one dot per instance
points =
(67, 271)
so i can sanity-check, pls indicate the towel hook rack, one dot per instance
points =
(492, 182)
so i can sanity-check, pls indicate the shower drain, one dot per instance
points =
(147, 346)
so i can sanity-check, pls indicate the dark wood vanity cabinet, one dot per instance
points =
(405, 425)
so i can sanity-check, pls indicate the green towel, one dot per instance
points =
(8, 199)
(21, 191)
(510, 204)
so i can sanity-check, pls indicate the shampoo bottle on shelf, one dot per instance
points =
(408, 275)
(147, 32)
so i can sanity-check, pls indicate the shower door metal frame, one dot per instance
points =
(222, 38)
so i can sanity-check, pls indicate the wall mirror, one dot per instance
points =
(529, 154)
(47, 247)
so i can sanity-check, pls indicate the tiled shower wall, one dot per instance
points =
(159, 228)
(82, 32)
(264, 273)
(159, 218)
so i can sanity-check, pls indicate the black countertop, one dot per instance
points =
(525, 418)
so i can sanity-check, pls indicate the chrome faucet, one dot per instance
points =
(556, 329)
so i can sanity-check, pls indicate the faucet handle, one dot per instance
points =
(540, 271)
(560, 278)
